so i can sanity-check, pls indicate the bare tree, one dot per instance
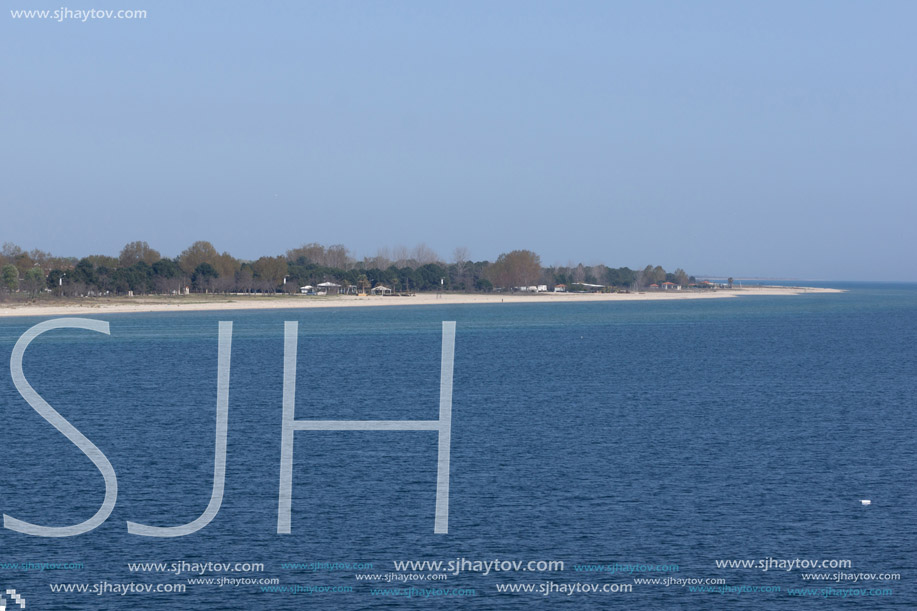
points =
(226, 265)
(681, 277)
(382, 260)
(9, 252)
(245, 280)
(338, 257)
(640, 278)
(514, 269)
(423, 254)
(460, 260)
(579, 274)
(401, 256)
(224, 284)
(42, 259)
(135, 252)
(168, 285)
(314, 253)
(197, 253)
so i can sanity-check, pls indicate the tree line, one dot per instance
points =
(140, 269)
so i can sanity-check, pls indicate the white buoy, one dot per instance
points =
(866, 501)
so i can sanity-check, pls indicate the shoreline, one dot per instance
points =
(201, 303)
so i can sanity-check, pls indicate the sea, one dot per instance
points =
(685, 454)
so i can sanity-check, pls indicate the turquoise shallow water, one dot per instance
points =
(656, 433)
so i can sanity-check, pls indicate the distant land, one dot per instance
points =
(758, 279)
(202, 277)
(717, 278)
(139, 269)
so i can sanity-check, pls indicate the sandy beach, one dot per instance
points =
(191, 303)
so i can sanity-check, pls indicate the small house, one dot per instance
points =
(329, 288)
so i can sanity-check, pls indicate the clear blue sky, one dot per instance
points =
(740, 138)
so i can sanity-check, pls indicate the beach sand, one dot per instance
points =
(191, 303)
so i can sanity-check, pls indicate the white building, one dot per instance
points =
(329, 288)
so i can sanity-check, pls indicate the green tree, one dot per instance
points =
(622, 276)
(168, 276)
(34, 281)
(681, 277)
(483, 284)
(9, 277)
(271, 270)
(137, 278)
(102, 261)
(84, 272)
(430, 275)
(56, 279)
(203, 277)
(166, 268)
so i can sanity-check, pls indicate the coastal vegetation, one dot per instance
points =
(140, 269)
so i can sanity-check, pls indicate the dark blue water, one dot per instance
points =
(654, 433)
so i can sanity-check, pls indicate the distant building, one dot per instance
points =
(560, 288)
(329, 288)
